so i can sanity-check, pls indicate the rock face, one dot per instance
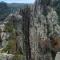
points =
(5, 56)
(44, 24)
(36, 32)
(57, 56)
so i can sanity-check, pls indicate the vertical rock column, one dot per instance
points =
(40, 30)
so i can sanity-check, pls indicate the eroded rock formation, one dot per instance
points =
(37, 31)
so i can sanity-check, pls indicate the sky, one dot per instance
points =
(18, 1)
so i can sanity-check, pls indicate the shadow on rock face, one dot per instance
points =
(55, 43)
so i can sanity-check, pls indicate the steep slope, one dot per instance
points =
(45, 24)
(36, 33)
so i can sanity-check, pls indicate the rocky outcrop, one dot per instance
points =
(45, 24)
(36, 31)
(5, 56)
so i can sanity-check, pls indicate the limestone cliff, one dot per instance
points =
(35, 32)
(45, 24)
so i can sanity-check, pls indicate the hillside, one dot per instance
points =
(10, 8)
